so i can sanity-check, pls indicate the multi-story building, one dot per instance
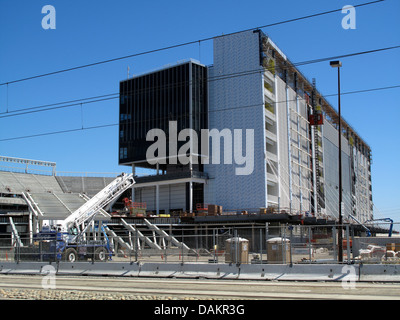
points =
(275, 135)
(172, 99)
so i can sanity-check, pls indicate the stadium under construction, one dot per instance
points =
(271, 138)
(290, 178)
(30, 200)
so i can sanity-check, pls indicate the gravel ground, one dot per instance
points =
(34, 294)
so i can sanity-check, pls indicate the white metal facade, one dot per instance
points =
(240, 98)
(236, 102)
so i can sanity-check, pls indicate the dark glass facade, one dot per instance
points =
(178, 93)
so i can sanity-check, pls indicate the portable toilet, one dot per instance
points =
(236, 250)
(278, 250)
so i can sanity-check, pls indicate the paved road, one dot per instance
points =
(205, 289)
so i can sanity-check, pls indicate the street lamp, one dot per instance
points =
(337, 64)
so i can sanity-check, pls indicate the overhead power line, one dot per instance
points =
(182, 44)
(61, 131)
(99, 99)
(76, 102)
(345, 55)
(82, 128)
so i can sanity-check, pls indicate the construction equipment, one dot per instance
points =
(136, 209)
(384, 219)
(68, 239)
(361, 224)
(374, 220)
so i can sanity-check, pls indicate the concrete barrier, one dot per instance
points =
(296, 272)
(379, 272)
(317, 272)
(210, 271)
(331, 272)
(262, 271)
(34, 268)
(168, 270)
(98, 269)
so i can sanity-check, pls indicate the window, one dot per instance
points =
(123, 99)
(123, 153)
(268, 86)
(125, 116)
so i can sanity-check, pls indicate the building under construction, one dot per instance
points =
(269, 159)
(293, 131)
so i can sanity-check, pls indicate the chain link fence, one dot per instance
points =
(250, 244)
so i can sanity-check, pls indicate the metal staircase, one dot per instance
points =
(160, 242)
(165, 235)
(140, 236)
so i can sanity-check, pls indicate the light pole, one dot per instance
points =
(337, 64)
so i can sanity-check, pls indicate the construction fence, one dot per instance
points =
(254, 244)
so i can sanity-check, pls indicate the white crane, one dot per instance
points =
(78, 221)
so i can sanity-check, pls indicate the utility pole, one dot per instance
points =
(338, 64)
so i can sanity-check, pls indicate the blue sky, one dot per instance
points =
(90, 31)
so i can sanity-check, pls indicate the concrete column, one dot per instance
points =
(190, 196)
(299, 152)
(157, 199)
(30, 225)
(133, 187)
(289, 139)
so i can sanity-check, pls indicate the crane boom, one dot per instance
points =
(366, 229)
(387, 220)
(88, 210)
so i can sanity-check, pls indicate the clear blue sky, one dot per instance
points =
(90, 31)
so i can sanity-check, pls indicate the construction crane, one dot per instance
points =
(68, 240)
(79, 220)
(384, 219)
(374, 220)
(361, 224)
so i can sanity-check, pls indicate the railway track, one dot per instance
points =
(204, 289)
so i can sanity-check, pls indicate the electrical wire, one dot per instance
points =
(60, 131)
(210, 79)
(166, 118)
(58, 103)
(84, 101)
(181, 44)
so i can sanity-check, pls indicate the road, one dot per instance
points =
(205, 289)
